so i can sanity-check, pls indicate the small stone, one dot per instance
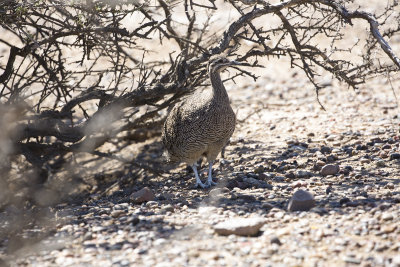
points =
(215, 192)
(394, 156)
(275, 240)
(257, 183)
(389, 186)
(116, 213)
(380, 163)
(267, 206)
(301, 201)
(331, 138)
(134, 220)
(396, 261)
(351, 259)
(387, 146)
(377, 140)
(240, 226)
(325, 150)
(344, 200)
(143, 195)
(290, 175)
(168, 207)
(329, 169)
(319, 211)
(383, 154)
(365, 161)
(320, 163)
(303, 174)
(389, 229)
(259, 169)
(387, 216)
(361, 147)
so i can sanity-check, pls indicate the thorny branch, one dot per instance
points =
(83, 74)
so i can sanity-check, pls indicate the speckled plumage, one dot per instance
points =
(202, 124)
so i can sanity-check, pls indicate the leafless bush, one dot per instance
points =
(78, 75)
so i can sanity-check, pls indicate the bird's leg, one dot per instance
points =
(196, 174)
(209, 180)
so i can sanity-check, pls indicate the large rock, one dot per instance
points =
(143, 195)
(301, 201)
(240, 226)
(330, 169)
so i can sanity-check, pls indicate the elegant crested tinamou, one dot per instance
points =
(202, 124)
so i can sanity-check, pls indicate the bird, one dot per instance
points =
(202, 124)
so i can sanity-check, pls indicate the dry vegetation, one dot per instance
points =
(85, 85)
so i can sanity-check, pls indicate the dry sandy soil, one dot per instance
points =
(282, 141)
(282, 133)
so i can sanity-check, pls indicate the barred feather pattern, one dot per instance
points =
(202, 124)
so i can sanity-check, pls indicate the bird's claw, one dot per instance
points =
(200, 185)
(210, 183)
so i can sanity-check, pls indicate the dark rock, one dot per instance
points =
(344, 200)
(352, 204)
(329, 169)
(275, 240)
(301, 201)
(361, 147)
(331, 158)
(319, 210)
(325, 150)
(267, 206)
(387, 146)
(303, 174)
(328, 190)
(133, 220)
(394, 156)
(143, 195)
(377, 140)
(256, 183)
(290, 175)
(259, 169)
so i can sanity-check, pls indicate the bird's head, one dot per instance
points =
(218, 63)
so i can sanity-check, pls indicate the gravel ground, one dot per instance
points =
(347, 157)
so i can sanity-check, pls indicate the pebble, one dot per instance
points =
(352, 259)
(275, 240)
(380, 163)
(117, 213)
(168, 207)
(240, 226)
(303, 174)
(143, 195)
(259, 169)
(257, 183)
(387, 229)
(325, 150)
(329, 169)
(387, 216)
(394, 156)
(215, 192)
(389, 186)
(365, 161)
(301, 201)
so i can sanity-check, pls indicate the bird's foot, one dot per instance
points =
(210, 183)
(199, 184)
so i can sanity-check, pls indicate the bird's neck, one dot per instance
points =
(218, 87)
